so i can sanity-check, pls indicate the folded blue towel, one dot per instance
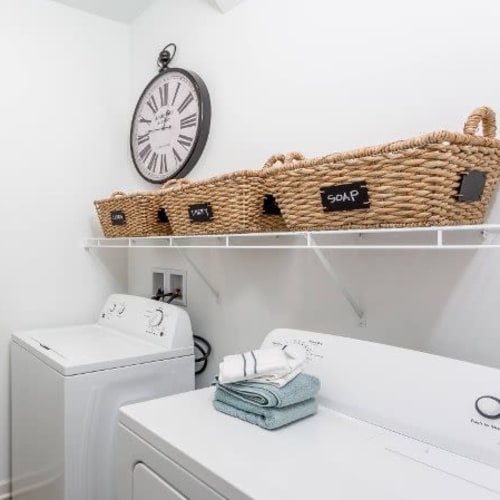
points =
(270, 418)
(301, 388)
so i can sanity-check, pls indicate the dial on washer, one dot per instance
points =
(156, 318)
(488, 407)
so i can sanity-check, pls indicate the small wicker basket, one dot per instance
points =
(138, 214)
(232, 203)
(442, 178)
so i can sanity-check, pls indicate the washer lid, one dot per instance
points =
(89, 348)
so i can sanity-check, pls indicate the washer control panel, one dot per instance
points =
(312, 348)
(452, 404)
(155, 321)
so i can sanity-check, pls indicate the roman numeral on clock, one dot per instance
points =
(164, 94)
(185, 141)
(185, 103)
(152, 162)
(163, 164)
(142, 139)
(176, 92)
(152, 104)
(189, 121)
(144, 153)
(176, 154)
(143, 120)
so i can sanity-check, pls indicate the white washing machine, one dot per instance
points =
(392, 424)
(69, 383)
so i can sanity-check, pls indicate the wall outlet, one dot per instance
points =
(171, 281)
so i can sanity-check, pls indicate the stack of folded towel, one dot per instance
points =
(266, 387)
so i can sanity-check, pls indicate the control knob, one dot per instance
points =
(488, 407)
(156, 318)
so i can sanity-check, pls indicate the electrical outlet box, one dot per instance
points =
(171, 281)
(158, 281)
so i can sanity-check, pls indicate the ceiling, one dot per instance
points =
(127, 10)
(118, 10)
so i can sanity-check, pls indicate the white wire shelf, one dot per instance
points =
(485, 236)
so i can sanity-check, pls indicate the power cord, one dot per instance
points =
(202, 345)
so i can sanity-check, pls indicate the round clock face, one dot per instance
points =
(170, 125)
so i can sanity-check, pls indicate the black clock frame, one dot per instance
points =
(200, 139)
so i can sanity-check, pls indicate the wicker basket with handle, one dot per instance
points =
(137, 214)
(231, 203)
(442, 178)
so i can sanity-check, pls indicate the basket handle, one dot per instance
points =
(294, 156)
(273, 160)
(174, 182)
(283, 159)
(117, 194)
(487, 118)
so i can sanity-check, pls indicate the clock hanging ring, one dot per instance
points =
(171, 122)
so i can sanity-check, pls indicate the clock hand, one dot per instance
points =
(157, 129)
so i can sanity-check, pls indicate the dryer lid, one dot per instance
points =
(328, 455)
(89, 348)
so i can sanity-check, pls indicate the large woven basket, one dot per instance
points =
(442, 178)
(138, 214)
(232, 203)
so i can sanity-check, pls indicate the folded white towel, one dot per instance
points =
(278, 380)
(277, 366)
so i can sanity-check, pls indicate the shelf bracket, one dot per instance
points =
(335, 277)
(439, 238)
(200, 274)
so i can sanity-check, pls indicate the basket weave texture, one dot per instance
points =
(415, 182)
(138, 214)
(236, 202)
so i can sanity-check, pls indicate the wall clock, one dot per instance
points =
(171, 121)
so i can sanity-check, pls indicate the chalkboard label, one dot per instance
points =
(118, 218)
(270, 206)
(162, 216)
(345, 197)
(201, 213)
(472, 185)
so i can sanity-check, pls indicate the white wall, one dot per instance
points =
(318, 77)
(63, 91)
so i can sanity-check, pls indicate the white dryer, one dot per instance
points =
(69, 383)
(392, 424)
